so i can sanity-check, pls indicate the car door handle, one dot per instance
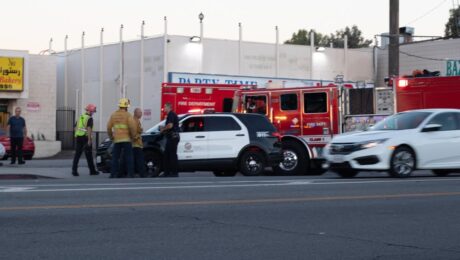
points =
(200, 136)
(239, 134)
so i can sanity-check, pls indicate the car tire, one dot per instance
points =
(346, 173)
(252, 163)
(28, 157)
(402, 162)
(294, 162)
(153, 163)
(224, 173)
(441, 173)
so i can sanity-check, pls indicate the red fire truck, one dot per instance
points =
(306, 117)
(429, 92)
(196, 98)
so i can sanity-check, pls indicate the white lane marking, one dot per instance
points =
(159, 187)
(147, 183)
(14, 189)
(293, 182)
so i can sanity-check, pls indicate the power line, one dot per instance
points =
(427, 13)
(421, 57)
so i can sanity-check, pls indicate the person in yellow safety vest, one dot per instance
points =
(138, 150)
(84, 141)
(121, 131)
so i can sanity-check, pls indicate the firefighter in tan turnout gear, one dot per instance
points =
(121, 130)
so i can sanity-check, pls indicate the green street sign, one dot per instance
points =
(453, 68)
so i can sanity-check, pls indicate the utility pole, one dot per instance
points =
(393, 57)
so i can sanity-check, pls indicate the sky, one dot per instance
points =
(29, 24)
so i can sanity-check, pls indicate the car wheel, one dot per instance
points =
(295, 162)
(224, 173)
(28, 157)
(402, 162)
(153, 163)
(346, 173)
(252, 163)
(441, 173)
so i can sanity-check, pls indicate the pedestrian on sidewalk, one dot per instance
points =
(171, 132)
(138, 150)
(18, 131)
(84, 140)
(121, 131)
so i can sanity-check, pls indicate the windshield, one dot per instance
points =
(401, 121)
(156, 128)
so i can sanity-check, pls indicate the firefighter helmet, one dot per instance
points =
(91, 108)
(123, 103)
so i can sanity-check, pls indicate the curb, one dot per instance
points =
(19, 176)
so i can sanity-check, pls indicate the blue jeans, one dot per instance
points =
(127, 156)
(139, 161)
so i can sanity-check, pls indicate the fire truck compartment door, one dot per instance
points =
(193, 143)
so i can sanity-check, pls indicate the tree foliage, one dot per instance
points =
(453, 24)
(355, 38)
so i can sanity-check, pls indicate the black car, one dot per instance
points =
(224, 143)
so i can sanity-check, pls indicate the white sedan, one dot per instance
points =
(400, 144)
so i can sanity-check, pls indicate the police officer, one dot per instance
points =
(83, 134)
(171, 131)
(138, 151)
(121, 131)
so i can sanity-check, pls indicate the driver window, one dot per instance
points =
(256, 104)
(193, 124)
(448, 121)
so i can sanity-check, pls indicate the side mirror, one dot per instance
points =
(431, 128)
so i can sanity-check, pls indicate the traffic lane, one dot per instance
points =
(403, 228)
(164, 192)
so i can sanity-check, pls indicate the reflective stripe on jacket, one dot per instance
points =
(82, 125)
(120, 127)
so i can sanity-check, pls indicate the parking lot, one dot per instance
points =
(318, 217)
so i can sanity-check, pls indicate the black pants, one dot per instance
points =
(16, 148)
(170, 158)
(82, 145)
(139, 162)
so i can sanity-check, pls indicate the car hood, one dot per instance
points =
(365, 136)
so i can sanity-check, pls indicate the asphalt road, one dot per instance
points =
(231, 218)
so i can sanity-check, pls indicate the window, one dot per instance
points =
(315, 102)
(448, 121)
(289, 102)
(193, 124)
(256, 104)
(221, 123)
(402, 121)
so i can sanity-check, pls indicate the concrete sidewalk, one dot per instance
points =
(45, 168)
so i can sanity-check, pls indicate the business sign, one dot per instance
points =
(147, 114)
(11, 74)
(33, 106)
(453, 68)
(260, 82)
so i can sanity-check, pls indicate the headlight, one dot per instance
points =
(372, 144)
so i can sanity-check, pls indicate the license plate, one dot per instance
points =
(98, 159)
(338, 159)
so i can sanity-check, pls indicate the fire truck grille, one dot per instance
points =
(345, 148)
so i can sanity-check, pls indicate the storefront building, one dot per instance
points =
(29, 82)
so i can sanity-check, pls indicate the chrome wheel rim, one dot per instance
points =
(253, 164)
(290, 160)
(403, 163)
